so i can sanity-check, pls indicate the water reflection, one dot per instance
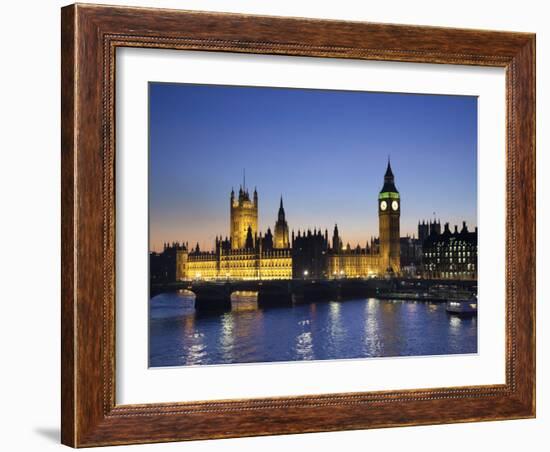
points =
(304, 346)
(454, 322)
(226, 337)
(196, 352)
(324, 330)
(373, 346)
(244, 300)
(336, 330)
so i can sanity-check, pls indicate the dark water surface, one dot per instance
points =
(360, 328)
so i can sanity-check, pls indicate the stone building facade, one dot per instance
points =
(247, 254)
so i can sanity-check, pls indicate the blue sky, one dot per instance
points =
(324, 151)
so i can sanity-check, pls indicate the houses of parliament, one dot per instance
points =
(276, 254)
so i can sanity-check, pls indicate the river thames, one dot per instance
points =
(359, 328)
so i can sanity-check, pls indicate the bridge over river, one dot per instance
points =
(210, 295)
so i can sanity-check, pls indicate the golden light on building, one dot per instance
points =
(249, 255)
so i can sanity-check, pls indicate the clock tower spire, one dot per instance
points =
(389, 213)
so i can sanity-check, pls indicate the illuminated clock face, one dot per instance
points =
(383, 205)
(395, 205)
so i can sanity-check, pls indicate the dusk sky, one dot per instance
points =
(324, 151)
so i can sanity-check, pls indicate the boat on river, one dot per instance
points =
(462, 307)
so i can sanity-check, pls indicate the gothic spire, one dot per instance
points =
(281, 214)
(389, 180)
(389, 172)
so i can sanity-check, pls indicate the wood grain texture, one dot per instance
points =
(90, 36)
(67, 226)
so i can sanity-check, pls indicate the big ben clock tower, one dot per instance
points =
(389, 212)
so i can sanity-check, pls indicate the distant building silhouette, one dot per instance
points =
(309, 254)
(411, 256)
(450, 255)
(162, 266)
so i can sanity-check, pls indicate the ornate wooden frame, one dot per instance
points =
(90, 35)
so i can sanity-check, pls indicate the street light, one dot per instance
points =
(305, 273)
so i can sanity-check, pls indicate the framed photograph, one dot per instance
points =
(280, 225)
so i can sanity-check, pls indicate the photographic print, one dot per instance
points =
(290, 224)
